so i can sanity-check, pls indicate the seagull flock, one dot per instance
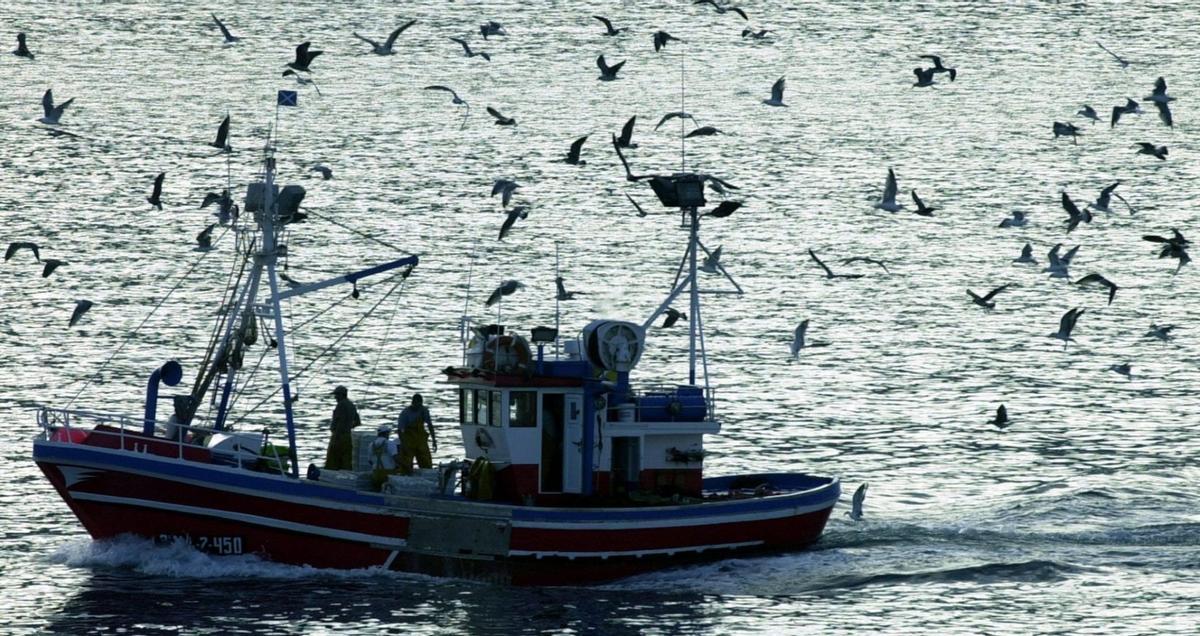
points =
(304, 59)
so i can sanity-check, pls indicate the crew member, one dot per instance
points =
(384, 456)
(339, 456)
(415, 429)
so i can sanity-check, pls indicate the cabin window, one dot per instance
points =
(481, 407)
(522, 408)
(495, 408)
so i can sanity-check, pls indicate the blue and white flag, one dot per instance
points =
(287, 98)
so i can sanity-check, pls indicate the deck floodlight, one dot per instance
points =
(680, 190)
(542, 335)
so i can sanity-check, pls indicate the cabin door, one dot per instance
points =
(573, 448)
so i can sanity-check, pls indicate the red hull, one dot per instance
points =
(113, 492)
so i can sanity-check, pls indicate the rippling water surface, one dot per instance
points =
(1082, 517)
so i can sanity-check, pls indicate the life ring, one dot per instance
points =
(511, 345)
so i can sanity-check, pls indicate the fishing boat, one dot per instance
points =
(572, 472)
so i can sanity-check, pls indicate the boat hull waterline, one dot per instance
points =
(227, 510)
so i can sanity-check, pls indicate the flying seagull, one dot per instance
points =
(704, 131)
(799, 339)
(1174, 247)
(563, 294)
(1124, 63)
(608, 73)
(608, 27)
(888, 200)
(505, 189)
(673, 316)
(22, 50)
(229, 37)
(938, 67)
(1100, 280)
(670, 116)
(155, 197)
(304, 57)
(1016, 220)
(864, 259)
(921, 208)
(51, 264)
(454, 98)
(1102, 201)
(1160, 98)
(1026, 255)
(386, 47)
(986, 301)
(661, 38)
(1160, 332)
(1124, 369)
(1075, 215)
(776, 94)
(17, 246)
(924, 77)
(1130, 108)
(518, 212)
(754, 35)
(1147, 148)
(81, 308)
(501, 120)
(1090, 113)
(856, 503)
(204, 238)
(640, 211)
(724, 209)
(1066, 325)
(828, 272)
(712, 261)
(326, 171)
(625, 140)
(723, 8)
(506, 288)
(491, 27)
(222, 140)
(1066, 130)
(1059, 265)
(469, 53)
(52, 113)
(1001, 419)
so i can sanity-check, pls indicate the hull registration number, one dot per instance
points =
(211, 544)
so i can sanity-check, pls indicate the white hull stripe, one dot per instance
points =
(635, 553)
(687, 522)
(269, 522)
(330, 504)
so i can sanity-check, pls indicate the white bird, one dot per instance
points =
(1090, 113)
(1102, 201)
(856, 503)
(1059, 266)
(608, 73)
(1124, 369)
(888, 200)
(468, 52)
(798, 337)
(326, 171)
(712, 261)
(51, 112)
(1161, 332)
(776, 94)
(505, 188)
(303, 81)
(385, 48)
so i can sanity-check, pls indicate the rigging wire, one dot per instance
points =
(358, 232)
(327, 350)
(150, 315)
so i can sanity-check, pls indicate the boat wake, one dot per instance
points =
(180, 560)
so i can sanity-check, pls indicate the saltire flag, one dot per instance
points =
(287, 98)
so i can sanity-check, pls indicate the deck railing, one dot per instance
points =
(128, 433)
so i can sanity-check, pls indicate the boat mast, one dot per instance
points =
(694, 293)
(267, 258)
